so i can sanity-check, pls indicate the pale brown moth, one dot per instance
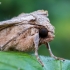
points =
(27, 32)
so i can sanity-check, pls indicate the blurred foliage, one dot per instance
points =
(59, 15)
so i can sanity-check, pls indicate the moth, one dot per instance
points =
(27, 32)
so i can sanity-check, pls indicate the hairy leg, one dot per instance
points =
(36, 42)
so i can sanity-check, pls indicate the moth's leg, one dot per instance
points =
(36, 42)
(51, 54)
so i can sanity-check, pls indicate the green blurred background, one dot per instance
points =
(59, 15)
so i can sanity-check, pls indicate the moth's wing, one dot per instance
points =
(21, 19)
(5, 24)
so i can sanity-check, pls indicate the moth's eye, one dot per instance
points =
(43, 33)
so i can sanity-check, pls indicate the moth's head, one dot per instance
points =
(46, 33)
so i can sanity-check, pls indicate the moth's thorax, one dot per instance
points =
(42, 19)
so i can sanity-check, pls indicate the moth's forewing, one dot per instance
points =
(21, 19)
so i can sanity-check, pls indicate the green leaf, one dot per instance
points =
(23, 61)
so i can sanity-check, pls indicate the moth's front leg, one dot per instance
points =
(51, 54)
(36, 43)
